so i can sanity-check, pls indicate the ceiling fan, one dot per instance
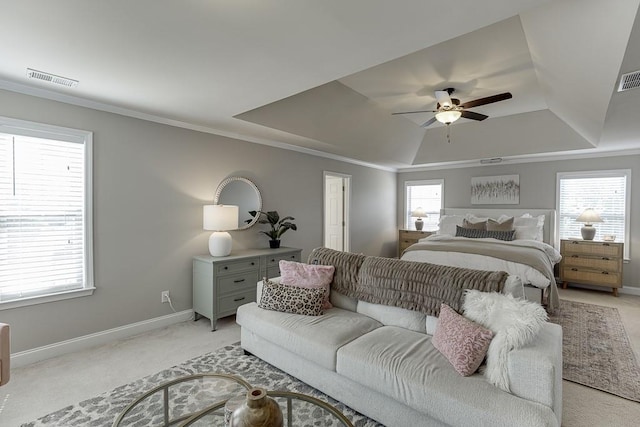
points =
(448, 109)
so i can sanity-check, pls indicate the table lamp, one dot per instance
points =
(419, 213)
(220, 219)
(589, 216)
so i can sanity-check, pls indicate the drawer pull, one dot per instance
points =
(226, 268)
(293, 257)
(605, 272)
(238, 299)
(273, 260)
(238, 281)
(606, 258)
(606, 244)
(575, 256)
(253, 263)
(574, 243)
(574, 269)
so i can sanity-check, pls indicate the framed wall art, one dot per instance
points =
(495, 190)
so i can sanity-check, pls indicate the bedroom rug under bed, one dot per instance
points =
(103, 409)
(596, 349)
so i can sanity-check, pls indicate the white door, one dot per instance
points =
(335, 208)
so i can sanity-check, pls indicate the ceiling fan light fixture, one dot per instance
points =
(448, 116)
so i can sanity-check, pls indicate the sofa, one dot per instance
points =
(379, 359)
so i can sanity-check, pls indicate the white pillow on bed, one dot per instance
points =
(448, 223)
(528, 227)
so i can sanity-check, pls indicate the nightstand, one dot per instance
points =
(222, 284)
(591, 262)
(407, 238)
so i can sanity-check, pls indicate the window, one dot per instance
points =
(607, 192)
(426, 195)
(45, 215)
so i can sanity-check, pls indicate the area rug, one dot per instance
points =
(105, 408)
(596, 350)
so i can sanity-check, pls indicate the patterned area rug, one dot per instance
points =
(105, 408)
(596, 349)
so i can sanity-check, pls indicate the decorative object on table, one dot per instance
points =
(589, 216)
(241, 192)
(278, 225)
(220, 219)
(231, 405)
(495, 190)
(419, 213)
(259, 410)
(609, 237)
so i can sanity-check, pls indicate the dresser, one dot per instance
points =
(222, 284)
(407, 238)
(591, 262)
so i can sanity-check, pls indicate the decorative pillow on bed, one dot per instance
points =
(307, 276)
(477, 225)
(448, 223)
(463, 342)
(291, 299)
(528, 227)
(514, 322)
(497, 225)
(483, 234)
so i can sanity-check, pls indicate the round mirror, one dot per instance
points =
(243, 193)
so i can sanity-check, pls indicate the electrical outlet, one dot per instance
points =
(165, 296)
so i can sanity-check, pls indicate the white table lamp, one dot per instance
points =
(419, 213)
(220, 219)
(589, 216)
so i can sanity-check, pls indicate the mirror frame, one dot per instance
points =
(225, 182)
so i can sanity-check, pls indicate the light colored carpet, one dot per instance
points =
(47, 386)
(596, 349)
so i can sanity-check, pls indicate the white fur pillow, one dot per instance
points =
(514, 322)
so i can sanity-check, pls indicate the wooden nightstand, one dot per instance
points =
(407, 238)
(591, 262)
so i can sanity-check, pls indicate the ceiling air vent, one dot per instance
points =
(629, 81)
(51, 78)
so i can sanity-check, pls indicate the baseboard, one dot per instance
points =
(27, 357)
(630, 291)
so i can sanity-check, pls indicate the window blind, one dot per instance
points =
(605, 192)
(42, 214)
(429, 198)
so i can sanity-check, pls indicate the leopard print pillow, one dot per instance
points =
(291, 299)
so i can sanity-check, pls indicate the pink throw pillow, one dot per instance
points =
(308, 276)
(464, 343)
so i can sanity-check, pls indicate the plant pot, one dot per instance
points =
(274, 244)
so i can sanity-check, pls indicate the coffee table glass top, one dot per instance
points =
(199, 400)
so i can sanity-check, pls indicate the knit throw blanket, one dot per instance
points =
(412, 285)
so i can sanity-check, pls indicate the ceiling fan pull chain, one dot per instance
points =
(449, 134)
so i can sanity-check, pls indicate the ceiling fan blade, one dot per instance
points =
(473, 116)
(443, 98)
(428, 122)
(412, 112)
(487, 100)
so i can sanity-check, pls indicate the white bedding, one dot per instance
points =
(528, 274)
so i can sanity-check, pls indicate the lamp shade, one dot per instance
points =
(220, 217)
(448, 116)
(589, 216)
(418, 213)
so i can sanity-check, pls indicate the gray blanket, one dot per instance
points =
(531, 256)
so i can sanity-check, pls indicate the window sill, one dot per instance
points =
(7, 305)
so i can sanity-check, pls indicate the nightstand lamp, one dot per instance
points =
(419, 213)
(589, 216)
(220, 219)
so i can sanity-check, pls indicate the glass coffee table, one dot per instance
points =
(199, 400)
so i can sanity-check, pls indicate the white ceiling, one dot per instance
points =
(325, 76)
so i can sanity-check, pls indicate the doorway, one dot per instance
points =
(336, 211)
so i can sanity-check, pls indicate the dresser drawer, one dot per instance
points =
(228, 304)
(274, 261)
(238, 282)
(591, 248)
(594, 263)
(237, 266)
(589, 276)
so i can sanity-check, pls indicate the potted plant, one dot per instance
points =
(278, 225)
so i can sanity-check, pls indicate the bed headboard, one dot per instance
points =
(549, 232)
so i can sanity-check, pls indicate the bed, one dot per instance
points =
(531, 256)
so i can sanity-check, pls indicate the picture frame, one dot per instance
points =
(495, 190)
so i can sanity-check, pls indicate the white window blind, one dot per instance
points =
(426, 195)
(43, 242)
(605, 191)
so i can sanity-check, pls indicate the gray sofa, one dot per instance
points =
(379, 360)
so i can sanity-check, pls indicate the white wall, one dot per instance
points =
(150, 182)
(538, 190)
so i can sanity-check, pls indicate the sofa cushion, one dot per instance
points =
(307, 276)
(394, 316)
(406, 366)
(464, 343)
(291, 299)
(315, 338)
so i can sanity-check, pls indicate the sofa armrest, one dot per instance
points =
(535, 371)
(260, 284)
